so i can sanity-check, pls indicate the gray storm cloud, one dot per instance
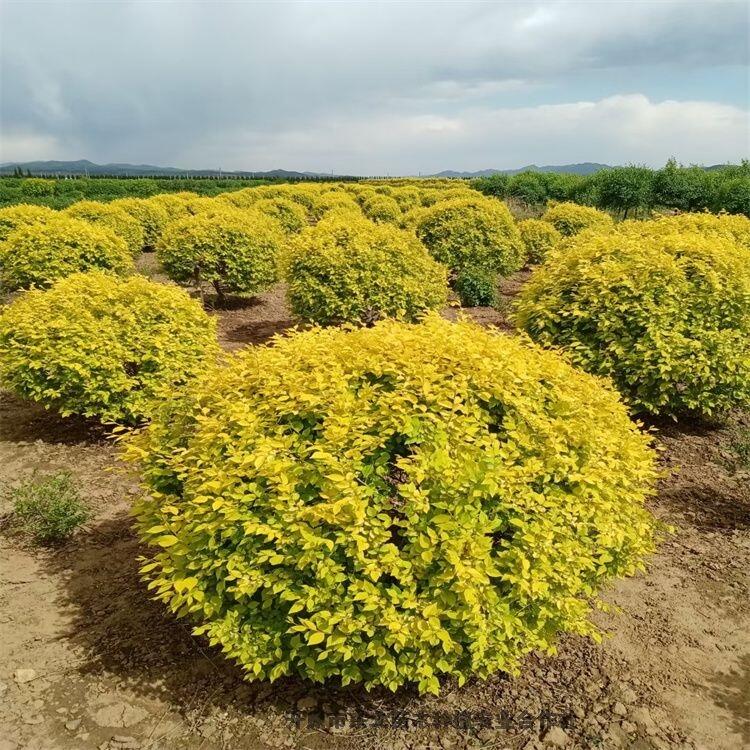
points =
(373, 88)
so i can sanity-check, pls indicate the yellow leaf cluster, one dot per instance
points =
(103, 347)
(391, 504)
(658, 306)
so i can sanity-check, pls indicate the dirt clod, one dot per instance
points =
(22, 676)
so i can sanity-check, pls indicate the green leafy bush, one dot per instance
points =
(111, 217)
(50, 509)
(40, 254)
(539, 237)
(103, 347)
(36, 187)
(22, 214)
(734, 196)
(665, 314)
(233, 250)
(472, 233)
(476, 287)
(392, 504)
(348, 269)
(625, 189)
(570, 218)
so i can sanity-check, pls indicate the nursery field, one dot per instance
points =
(110, 664)
(435, 476)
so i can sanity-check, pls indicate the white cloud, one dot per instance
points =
(26, 147)
(615, 130)
(359, 86)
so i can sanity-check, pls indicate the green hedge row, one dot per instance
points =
(633, 189)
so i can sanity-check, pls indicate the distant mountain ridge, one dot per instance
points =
(86, 167)
(584, 168)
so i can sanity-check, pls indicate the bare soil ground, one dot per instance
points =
(88, 661)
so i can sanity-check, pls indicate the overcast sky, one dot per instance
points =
(374, 87)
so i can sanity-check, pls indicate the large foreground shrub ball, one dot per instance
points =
(665, 314)
(347, 269)
(234, 251)
(40, 254)
(472, 233)
(392, 504)
(103, 347)
(572, 218)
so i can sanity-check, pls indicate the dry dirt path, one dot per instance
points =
(87, 661)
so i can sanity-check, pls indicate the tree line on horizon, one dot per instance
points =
(631, 190)
(627, 191)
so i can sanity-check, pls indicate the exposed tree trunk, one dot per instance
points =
(199, 284)
(220, 296)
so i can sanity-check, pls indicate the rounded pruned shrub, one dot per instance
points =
(410, 219)
(407, 198)
(348, 269)
(472, 233)
(392, 504)
(381, 209)
(40, 254)
(232, 250)
(111, 217)
(12, 217)
(731, 226)
(152, 217)
(244, 198)
(665, 315)
(476, 287)
(177, 205)
(539, 237)
(334, 201)
(291, 216)
(431, 196)
(104, 347)
(572, 218)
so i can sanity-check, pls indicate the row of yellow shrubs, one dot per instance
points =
(228, 242)
(407, 500)
(339, 266)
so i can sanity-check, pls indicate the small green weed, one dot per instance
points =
(49, 509)
(739, 447)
